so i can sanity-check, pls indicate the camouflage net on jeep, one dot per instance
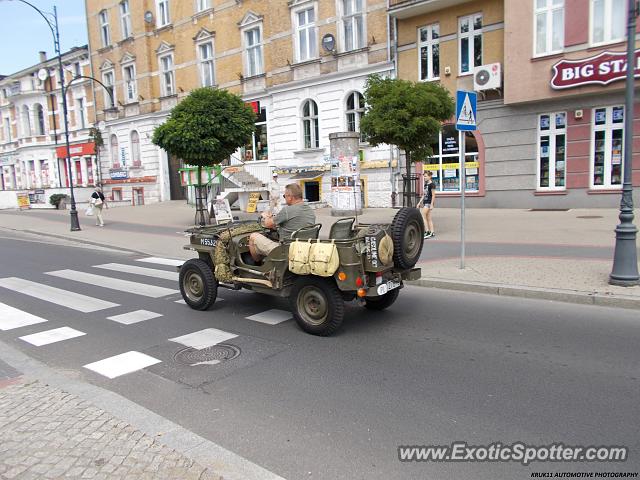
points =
(221, 257)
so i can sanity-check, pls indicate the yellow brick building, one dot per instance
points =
(301, 63)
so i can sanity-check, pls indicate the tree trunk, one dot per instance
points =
(199, 206)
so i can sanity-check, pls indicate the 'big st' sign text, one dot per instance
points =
(602, 69)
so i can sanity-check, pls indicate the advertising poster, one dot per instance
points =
(23, 200)
(345, 183)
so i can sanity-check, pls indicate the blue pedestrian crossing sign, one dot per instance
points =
(466, 110)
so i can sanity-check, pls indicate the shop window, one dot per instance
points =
(470, 43)
(429, 47)
(135, 149)
(445, 163)
(115, 159)
(607, 21)
(78, 179)
(552, 139)
(90, 180)
(607, 147)
(549, 30)
(310, 126)
(258, 147)
(116, 194)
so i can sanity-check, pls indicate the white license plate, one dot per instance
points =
(385, 287)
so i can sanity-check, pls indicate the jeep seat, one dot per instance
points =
(307, 233)
(342, 229)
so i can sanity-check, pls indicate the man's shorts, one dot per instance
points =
(264, 245)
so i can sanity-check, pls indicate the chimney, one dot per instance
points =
(43, 56)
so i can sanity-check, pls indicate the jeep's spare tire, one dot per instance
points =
(407, 232)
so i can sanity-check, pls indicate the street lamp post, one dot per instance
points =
(625, 260)
(53, 26)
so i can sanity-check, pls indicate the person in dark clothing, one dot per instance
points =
(98, 201)
(428, 204)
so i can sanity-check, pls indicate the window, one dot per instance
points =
(26, 121)
(429, 43)
(549, 15)
(116, 194)
(202, 5)
(82, 119)
(130, 90)
(607, 147)
(253, 47)
(205, 53)
(445, 162)
(125, 19)
(110, 92)
(353, 24)
(305, 34)
(258, 143)
(310, 124)
(355, 111)
(38, 117)
(7, 129)
(166, 75)
(115, 159)
(135, 149)
(104, 28)
(607, 20)
(552, 139)
(470, 42)
(162, 8)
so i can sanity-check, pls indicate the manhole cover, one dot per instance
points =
(207, 356)
(590, 216)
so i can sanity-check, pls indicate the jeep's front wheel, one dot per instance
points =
(317, 305)
(198, 286)
(383, 301)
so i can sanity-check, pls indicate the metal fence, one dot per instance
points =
(411, 190)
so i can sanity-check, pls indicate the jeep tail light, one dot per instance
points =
(359, 282)
(343, 276)
(362, 292)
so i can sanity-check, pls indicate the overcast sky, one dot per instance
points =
(23, 32)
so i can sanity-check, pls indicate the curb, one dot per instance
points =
(557, 295)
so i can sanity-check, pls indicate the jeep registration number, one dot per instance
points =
(385, 287)
(209, 242)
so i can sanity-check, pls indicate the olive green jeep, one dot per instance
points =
(370, 263)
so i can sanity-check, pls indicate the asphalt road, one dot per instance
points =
(435, 368)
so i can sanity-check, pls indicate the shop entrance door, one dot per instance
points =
(176, 190)
(312, 191)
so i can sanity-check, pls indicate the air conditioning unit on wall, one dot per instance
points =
(486, 77)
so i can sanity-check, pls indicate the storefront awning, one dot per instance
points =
(309, 175)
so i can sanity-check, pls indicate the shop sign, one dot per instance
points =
(601, 69)
(119, 174)
(255, 106)
(79, 150)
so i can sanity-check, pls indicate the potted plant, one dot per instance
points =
(58, 200)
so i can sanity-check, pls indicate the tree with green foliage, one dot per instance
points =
(205, 128)
(406, 114)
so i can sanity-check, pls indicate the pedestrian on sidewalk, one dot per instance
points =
(275, 195)
(98, 201)
(428, 204)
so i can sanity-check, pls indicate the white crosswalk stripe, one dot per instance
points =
(75, 301)
(122, 364)
(11, 318)
(52, 336)
(271, 317)
(134, 317)
(204, 338)
(162, 261)
(147, 272)
(114, 283)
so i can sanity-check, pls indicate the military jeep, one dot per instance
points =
(374, 260)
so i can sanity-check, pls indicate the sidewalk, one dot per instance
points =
(554, 255)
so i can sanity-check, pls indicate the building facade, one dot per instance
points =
(301, 64)
(549, 128)
(32, 140)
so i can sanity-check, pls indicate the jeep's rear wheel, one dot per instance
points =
(317, 305)
(383, 301)
(407, 232)
(198, 286)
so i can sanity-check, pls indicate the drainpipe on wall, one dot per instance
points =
(393, 174)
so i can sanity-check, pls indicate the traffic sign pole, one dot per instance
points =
(465, 121)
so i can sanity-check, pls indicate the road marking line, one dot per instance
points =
(162, 261)
(122, 364)
(11, 318)
(134, 317)
(271, 317)
(52, 336)
(75, 301)
(114, 283)
(204, 338)
(148, 272)
(184, 303)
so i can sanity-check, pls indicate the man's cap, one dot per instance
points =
(274, 174)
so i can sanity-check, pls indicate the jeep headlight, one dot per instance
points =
(385, 250)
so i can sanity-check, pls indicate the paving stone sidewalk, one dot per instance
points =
(48, 433)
